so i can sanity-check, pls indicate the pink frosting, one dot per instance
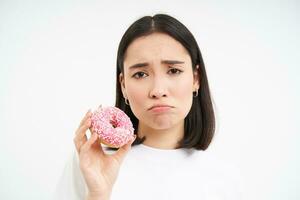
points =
(112, 125)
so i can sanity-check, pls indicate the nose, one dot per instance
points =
(158, 89)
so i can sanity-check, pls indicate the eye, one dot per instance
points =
(175, 71)
(138, 75)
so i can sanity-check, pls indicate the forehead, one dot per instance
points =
(155, 47)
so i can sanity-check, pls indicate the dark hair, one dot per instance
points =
(199, 124)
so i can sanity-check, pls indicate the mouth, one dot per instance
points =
(160, 108)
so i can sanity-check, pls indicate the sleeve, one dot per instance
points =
(71, 184)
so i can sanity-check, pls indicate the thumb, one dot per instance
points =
(122, 151)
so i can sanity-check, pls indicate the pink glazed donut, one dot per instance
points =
(112, 125)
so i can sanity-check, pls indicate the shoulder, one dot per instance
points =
(213, 161)
(216, 167)
(220, 173)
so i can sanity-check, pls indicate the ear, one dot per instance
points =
(122, 84)
(196, 84)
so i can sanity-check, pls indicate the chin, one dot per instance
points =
(162, 124)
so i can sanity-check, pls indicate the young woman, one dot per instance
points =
(162, 86)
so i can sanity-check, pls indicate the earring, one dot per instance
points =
(195, 95)
(126, 101)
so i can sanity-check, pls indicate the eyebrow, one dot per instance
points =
(144, 64)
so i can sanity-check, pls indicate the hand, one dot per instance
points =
(100, 170)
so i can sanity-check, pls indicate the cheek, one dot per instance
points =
(184, 87)
(137, 98)
(184, 95)
(183, 91)
(136, 94)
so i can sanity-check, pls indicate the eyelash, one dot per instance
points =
(177, 70)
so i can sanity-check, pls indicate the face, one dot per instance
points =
(158, 70)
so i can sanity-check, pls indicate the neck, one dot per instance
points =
(161, 138)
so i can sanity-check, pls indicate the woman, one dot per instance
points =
(162, 86)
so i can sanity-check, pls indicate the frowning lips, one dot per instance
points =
(160, 106)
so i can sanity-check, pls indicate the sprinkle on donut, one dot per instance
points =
(112, 125)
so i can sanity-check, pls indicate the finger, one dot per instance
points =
(86, 116)
(97, 144)
(80, 135)
(81, 131)
(86, 147)
(121, 153)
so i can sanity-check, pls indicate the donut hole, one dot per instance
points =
(113, 123)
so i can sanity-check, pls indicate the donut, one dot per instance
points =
(112, 125)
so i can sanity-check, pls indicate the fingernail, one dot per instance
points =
(134, 138)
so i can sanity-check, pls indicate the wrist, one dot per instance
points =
(91, 196)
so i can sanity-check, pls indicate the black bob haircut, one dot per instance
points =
(199, 124)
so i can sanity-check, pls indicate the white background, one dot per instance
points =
(58, 59)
